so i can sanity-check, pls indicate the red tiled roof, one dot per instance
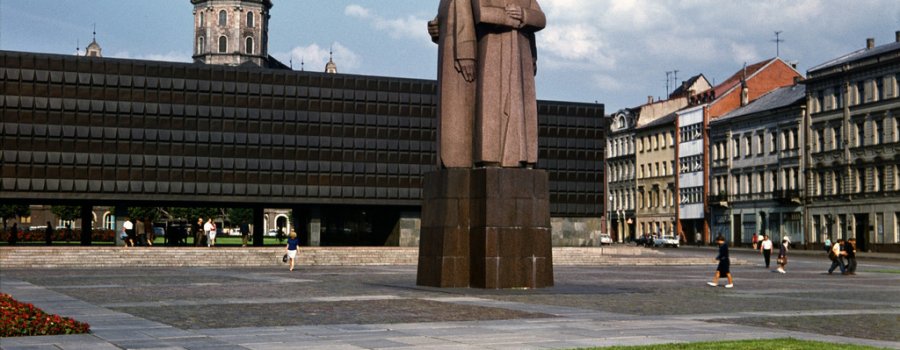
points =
(735, 79)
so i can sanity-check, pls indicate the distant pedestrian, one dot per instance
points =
(148, 232)
(48, 234)
(698, 238)
(849, 252)
(755, 239)
(128, 230)
(198, 231)
(14, 234)
(291, 247)
(782, 254)
(765, 247)
(140, 232)
(209, 231)
(724, 267)
(837, 260)
(245, 234)
(827, 244)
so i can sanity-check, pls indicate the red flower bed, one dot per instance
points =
(18, 319)
(97, 235)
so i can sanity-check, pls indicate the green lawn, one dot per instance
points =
(884, 271)
(770, 344)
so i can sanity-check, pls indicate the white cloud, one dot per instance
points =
(314, 57)
(171, 56)
(742, 53)
(409, 27)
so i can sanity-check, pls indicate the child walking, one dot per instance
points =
(724, 267)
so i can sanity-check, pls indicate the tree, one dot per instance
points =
(13, 211)
(68, 214)
(239, 216)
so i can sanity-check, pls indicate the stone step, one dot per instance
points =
(86, 257)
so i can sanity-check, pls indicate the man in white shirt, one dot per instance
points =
(210, 228)
(128, 227)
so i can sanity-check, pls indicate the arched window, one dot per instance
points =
(249, 46)
(250, 19)
(109, 221)
(201, 45)
(223, 44)
(202, 18)
(223, 18)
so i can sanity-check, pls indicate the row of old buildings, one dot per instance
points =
(767, 151)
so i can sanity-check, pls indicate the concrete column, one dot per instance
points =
(315, 227)
(258, 218)
(87, 223)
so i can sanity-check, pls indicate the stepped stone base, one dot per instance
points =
(39, 257)
(486, 228)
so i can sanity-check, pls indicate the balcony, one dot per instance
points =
(790, 197)
(719, 200)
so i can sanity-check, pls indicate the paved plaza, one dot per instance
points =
(380, 307)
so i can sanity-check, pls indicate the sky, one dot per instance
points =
(616, 52)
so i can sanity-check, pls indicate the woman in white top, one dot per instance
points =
(765, 247)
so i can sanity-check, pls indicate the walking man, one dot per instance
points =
(835, 255)
(765, 247)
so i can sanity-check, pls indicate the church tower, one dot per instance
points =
(231, 32)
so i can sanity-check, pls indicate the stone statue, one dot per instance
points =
(506, 133)
(454, 31)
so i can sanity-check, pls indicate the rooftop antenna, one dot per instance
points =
(668, 79)
(674, 79)
(291, 62)
(301, 63)
(95, 32)
(77, 47)
(778, 40)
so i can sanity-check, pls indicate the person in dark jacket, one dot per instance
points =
(849, 252)
(48, 234)
(724, 267)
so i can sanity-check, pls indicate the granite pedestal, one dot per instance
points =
(486, 228)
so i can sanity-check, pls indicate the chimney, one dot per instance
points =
(870, 43)
(649, 99)
(897, 36)
(745, 94)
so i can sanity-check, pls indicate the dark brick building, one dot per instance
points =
(346, 152)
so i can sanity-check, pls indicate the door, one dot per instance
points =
(738, 226)
(861, 231)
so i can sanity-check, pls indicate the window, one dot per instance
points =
(820, 99)
(820, 184)
(671, 138)
(857, 180)
(773, 147)
(747, 146)
(202, 18)
(879, 179)
(879, 89)
(860, 92)
(759, 144)
(201, 45)
(250, 19)
(836, 138)
(820, 143)
(249, 46)
(223, 18)
(223, 44)
(877, 130)
(860, 134)
(838, 99)
(737, 148)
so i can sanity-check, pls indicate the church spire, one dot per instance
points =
(93, 49)
(331, 67)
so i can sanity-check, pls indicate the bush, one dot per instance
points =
(97, 235)
(19, 319)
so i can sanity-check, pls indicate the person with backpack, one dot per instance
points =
(834, 253)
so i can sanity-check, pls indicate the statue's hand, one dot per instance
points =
(434, 30)
(467, 68)
(515, 12)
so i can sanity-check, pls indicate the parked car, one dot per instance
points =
(605, 239)
(644, 240)
(666, 241)
(159, 231)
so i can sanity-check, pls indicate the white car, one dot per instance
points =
(605, 239)
(665, 241)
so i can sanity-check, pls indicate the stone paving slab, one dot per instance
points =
(590, 306)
